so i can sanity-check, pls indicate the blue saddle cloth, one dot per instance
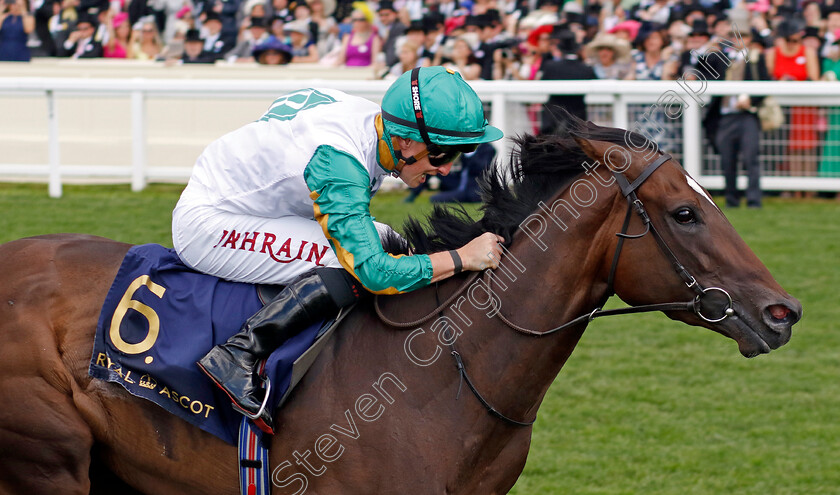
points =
(160, 317)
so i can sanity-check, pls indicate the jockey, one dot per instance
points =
(265, 203)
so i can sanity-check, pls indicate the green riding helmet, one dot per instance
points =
(436, 106)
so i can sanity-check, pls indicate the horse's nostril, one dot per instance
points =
(779, 312)
(782, 315)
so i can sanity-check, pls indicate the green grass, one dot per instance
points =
(645, 405)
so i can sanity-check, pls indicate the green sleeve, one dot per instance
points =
(340, 187)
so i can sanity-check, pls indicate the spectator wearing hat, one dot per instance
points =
(537, 48)
(302, 48)
(325, 26)
(415, 32)
(493, 41)
(790, 60)
(275, 28)
(627, 30)
(547, 12)
(119, 35)
(194, 49)
(732, 123)
(812, 40)
(652, 59)
(253, 8)
(472, 24)
(243, 51)
(567, 65)
(215, 42)
(389, 25)
(609, 56)
(176, 31)
(572, 15)
(81, 43)
(185, 15)
(832, 32)
(146, 43)
(62, 24)
(692, 61)
(360, 47)
(225, 12)
(272, 52)
(435, 37)
(302, 12)
(722, 28)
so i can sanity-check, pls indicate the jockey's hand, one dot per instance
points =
(485, 251)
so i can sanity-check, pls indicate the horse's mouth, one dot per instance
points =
(752, 335)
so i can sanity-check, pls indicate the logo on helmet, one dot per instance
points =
(415, 97)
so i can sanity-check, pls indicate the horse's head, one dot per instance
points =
(689, 224)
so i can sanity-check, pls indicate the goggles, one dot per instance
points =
(441, 155)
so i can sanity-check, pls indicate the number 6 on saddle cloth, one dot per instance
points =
(160, 317)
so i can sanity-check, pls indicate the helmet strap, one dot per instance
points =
(418, 113)
(403, 161)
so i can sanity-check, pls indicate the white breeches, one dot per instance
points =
(245, 248)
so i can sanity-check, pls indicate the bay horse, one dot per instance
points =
(442, 403)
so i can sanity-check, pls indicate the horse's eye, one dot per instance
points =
(685, 215)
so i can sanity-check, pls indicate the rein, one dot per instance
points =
(634, 204)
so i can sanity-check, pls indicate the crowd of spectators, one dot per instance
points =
(480, 39)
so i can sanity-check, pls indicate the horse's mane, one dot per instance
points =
(538, 167)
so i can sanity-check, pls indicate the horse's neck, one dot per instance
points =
(551, 287)
(456, 446)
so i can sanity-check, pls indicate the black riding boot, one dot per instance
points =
(233, 366)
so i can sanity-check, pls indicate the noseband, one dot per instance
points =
(634, 204)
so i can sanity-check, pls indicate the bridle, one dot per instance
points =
(634, 204)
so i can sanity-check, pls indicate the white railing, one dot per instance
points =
(507, 99)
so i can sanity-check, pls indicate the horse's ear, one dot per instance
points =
(593, 149)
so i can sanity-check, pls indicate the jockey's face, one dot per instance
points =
(415, 174)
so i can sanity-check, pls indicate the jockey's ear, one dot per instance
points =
(404, 143)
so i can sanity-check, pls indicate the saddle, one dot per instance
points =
(160, 317)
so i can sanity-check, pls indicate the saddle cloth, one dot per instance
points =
(160, 317)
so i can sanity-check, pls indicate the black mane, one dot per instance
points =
(539, 167)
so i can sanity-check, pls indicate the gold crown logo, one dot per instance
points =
(147, 381)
